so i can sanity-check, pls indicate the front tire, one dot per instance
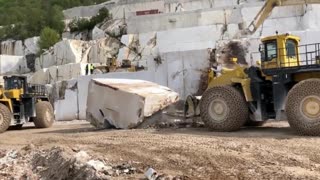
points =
(5, 118)
(303, 107)
(44, 115)
(223, 108)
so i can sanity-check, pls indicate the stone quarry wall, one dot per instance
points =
(19, 48)
(175, 47)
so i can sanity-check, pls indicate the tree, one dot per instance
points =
(26, 18)
(48, 37)
(55, 18)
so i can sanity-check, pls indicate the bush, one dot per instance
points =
(85, 24)
(48, 37)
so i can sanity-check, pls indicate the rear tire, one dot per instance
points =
(5, 118)
(223, 108)
(44, 115)
(303, 107)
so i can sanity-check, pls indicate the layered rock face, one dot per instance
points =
(174, 44)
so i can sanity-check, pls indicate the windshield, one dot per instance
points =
(271, 50)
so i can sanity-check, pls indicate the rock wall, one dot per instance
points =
(55, 74)
(173, 47)
(19, 48)
(13, 65)
(284, 17)
(128, 8)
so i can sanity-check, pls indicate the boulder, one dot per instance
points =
(98, 33)
(103, 49)
(114, 27)
(125, 103)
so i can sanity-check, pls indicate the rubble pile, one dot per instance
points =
(31, 163)
(68, 163)
(151, 174)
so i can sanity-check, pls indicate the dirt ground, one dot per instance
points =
(269, 152)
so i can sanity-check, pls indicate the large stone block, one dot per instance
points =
(125, 103)
(103, 49)
(83, 83)
(68, 51)
(40, 77)
(65, 96)
(46, 60)
(70, 71)
(31, 45)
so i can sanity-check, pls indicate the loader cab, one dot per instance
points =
(279, 51)
(14, 86)
(15, 82)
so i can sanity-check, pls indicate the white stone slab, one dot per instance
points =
(13, 65)
(125, 103)
(66, 104)
(83, 83)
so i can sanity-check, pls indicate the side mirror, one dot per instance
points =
(261, 48)
(234, 60)
(258, 63)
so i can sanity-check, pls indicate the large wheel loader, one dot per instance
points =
(286, 82)
(21, 102)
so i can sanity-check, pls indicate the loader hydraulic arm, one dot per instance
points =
(267, 9)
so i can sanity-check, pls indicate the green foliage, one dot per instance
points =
(48, 37)
(86, 24)
(26, 18)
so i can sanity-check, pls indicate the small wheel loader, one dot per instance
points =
(21, 102)
(284, 85)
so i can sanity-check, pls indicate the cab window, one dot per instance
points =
(271, 50)
(291, 48)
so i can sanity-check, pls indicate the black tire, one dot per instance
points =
(44, 115)
(5, 118)
(235, 111)
(304, 117)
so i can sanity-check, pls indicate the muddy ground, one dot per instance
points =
(269, 152)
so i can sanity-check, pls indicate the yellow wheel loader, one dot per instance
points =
(21, 102)
(286, 82)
